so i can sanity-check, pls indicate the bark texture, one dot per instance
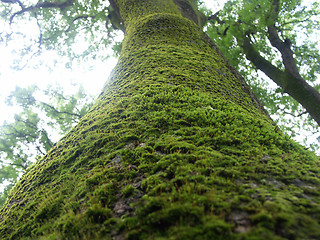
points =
(176, 147)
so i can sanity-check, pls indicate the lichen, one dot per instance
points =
(174, 148)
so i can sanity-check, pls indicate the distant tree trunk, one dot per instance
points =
(176, 147)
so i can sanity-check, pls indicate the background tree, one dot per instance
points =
(36, 128)
(276, 38)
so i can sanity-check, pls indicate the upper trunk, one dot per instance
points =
(176, 147)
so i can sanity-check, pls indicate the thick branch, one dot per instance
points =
(60, 5)
(284, 47)
(115, 16)
(285, 50)
(295, 86)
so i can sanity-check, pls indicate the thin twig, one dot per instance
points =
(299, 115)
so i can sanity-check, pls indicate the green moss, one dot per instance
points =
(128, 191)
(174, 148)
(98, 214)
(132, 10)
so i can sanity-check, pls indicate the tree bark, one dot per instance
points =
(176, 147)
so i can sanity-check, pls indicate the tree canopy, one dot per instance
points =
(77, 29)
(43, 117)
(278, 39)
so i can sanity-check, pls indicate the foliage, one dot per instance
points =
(80, 30)
(297, 24)
(36, 127)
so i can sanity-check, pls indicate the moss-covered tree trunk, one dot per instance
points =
(176, 147)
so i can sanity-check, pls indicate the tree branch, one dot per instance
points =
(13, 1)
(55, 110)
(23, 160)
(47, 137)
(284, 48)
(260, 62)
(17, 164)
(18, 134)
(40, 31)
(292, 84)
(215, 17)
(77, 18)
(299, 115)
(39, 149)
(46, 4)
(28, 123)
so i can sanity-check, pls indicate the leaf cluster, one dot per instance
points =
(80, 29)
(297, 23)
(45, 115)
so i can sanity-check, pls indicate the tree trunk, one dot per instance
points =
(176, 147)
